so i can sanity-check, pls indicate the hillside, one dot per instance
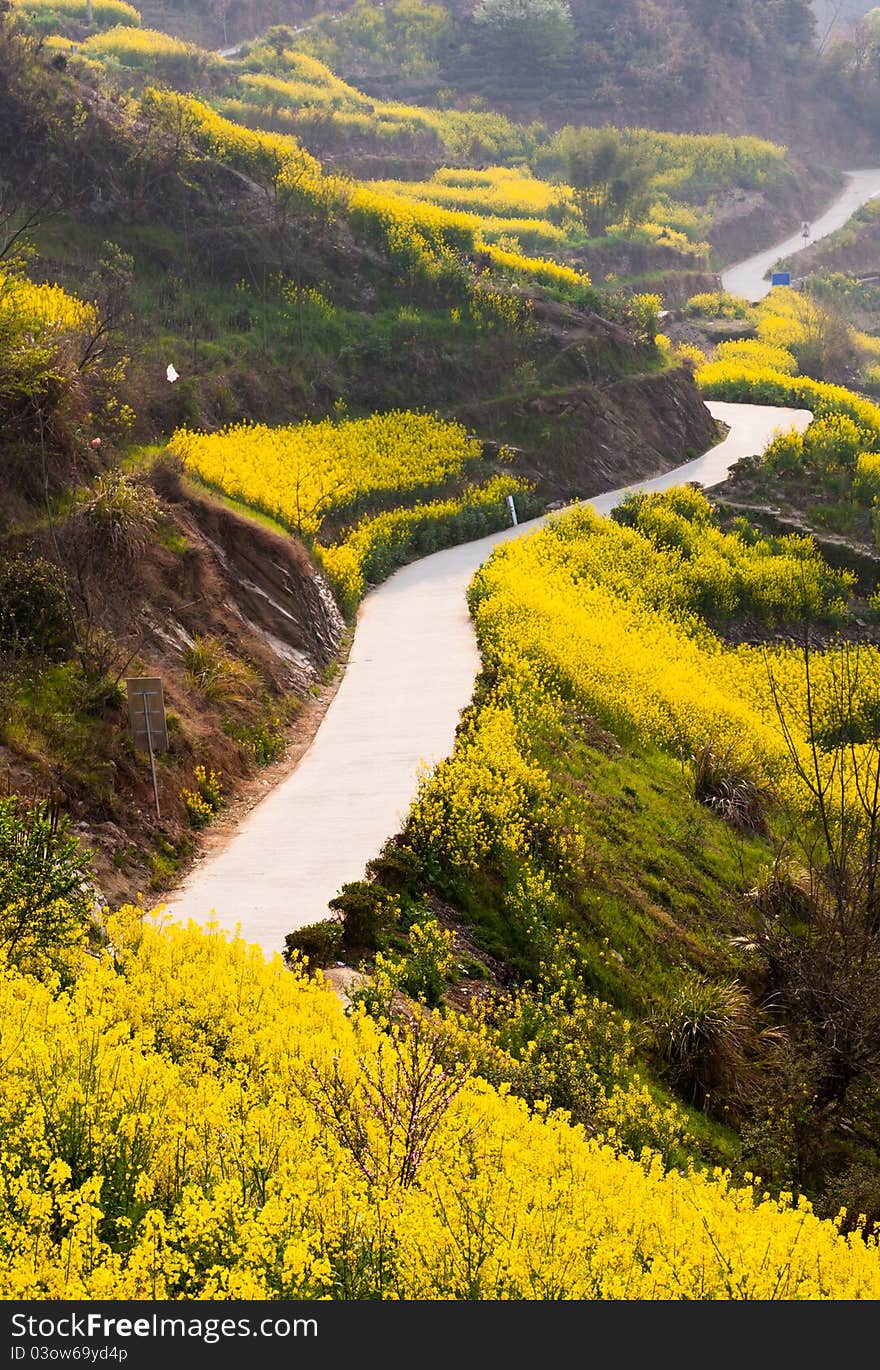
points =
(271, 310)
(746, 68)
(600, 1019)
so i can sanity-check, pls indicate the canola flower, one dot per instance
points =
(734, 379)
(304, 474)
(611, 617)
(307, 86)
(429, 242)
(43, 310)
(377, 546)
(134, 46)
(299, 475)
(513, 203)
(276, 160)
(104, 12)
(165, 1135)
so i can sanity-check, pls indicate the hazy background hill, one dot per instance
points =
(683, 65)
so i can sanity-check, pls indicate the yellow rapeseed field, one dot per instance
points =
(167, 1133)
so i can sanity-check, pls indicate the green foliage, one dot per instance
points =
(34, 612)
(368, 912)
(610, 176)
(204, 802)
(318, 943)
(263, 741)
(406, 37)
(45, 896)
(524, 32)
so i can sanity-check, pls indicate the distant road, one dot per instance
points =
(410, 673)
(747, 278)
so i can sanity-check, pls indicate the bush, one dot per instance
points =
(368, 914)
(318, 943)
(702, 1030)
(45, 896)
(34, 615)
(724, 783)
(857, 1190)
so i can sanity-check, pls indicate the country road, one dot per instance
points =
(747, 277)
(410, 673)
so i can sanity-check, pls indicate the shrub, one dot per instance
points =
(34, 614)
(854, 1190)
(702, 1030)
(368, 914)
(45, 896)
(724, 783)
(318, 943)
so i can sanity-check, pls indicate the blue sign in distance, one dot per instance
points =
(780, 278)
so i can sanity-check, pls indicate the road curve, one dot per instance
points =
(410, 673)
(747, 278)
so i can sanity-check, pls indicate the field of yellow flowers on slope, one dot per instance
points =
(304, 474)
(424, 240)
(614, 620)
(300, 474)
(42, 310)
(187, 1121)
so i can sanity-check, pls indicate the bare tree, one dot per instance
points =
(388, 1116)
(818, 923)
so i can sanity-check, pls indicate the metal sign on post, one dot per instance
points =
(780, 278)
(513, 518)
(146, 709)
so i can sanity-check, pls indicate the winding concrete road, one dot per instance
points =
(747, 278)
(410, 673)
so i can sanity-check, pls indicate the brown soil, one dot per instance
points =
(298, 737)
(587, 438)
(749, 220)
(212, 574)
(858, 254)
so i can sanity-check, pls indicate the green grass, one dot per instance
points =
(663, 885)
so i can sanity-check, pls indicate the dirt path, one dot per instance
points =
(410, 672)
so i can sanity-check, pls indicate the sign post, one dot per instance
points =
(146, 709)
(512, 507)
